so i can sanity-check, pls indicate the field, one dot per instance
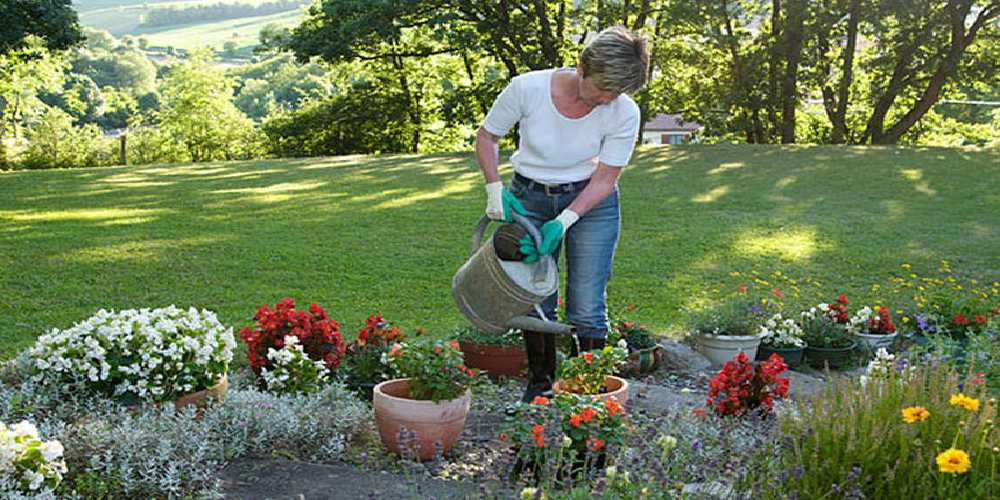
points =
(359, 234)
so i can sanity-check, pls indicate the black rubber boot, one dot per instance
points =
(541, 352)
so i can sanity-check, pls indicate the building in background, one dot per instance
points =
(668, 129)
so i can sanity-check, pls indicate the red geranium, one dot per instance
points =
(740, 386)
(318, 334)
(838, 310)
(881, 325)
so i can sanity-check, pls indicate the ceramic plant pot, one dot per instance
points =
(436, 425)
(614, 387)
(721, 348)
(509, 361)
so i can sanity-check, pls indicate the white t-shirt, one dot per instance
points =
(555, 149)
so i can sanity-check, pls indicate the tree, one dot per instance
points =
(23, 74)
(54, 21)
(198, 111)
(53, 142)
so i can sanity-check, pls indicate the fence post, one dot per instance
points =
(122, 156)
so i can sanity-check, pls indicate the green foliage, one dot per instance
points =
(169, 16)
(856, 437)
(198, 112)
(23, 74)
(734, 315)
(588, 372)
(53, 142)
(435, 369)
(54, 21)
(279, 83)
(512, 338)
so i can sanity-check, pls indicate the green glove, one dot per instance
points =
(552, 233)
(500, 203)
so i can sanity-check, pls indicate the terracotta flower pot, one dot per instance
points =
(433, 423)
(510, 361)
(201, 398)
(614, 387)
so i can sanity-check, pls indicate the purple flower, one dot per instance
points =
(696, 445)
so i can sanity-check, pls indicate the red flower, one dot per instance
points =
(842, 299)
(698, 412)
(614, 409)
(319, 335)
(595, 444)
(395, 350)
(453, 344)
(437, 349)
(740, 387)
(960, 320)
(539, 400)
(980, 319)
(503, 436)
(575, 420)
(588, 357)
(743, 289)
(537, 429)
(587, 414)
(539, 440)
(776, 292)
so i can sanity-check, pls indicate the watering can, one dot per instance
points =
(496, 295)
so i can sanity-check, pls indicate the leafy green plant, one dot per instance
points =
(636, 335)
(821, 328)
(907, 433)
(436, 369)
(734, 315)
(473, 335)
(366, 355)
(588, 372)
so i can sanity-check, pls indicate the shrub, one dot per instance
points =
(53, 142)
(366, 360)
(825, 325)
(741, 387)
(155, 355)
(318, 334)
(291, 369)
(893, 437)
(28, 464)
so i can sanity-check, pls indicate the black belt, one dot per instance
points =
(551, 189)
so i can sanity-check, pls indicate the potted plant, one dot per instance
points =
(592, 374)
(427, 408)
(494, 354)
(741, 387)
(728, 328)
(366, 361)
(317, 337)
(825, 330)
(873, 328)
(644, 353)
(784, 337)
(139, 355)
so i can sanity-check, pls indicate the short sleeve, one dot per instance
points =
(618, 144)
(506, 110)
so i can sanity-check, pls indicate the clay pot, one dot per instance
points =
(202, 398)
(436, 425)
(510, 361)
(614, 387)
(642, 361)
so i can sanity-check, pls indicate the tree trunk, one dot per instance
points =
(774, 65)
(789, 87)
(838, 120)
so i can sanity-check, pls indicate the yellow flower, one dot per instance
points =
(915, 414)
(953, 461)
(964, 401)
(906, 266)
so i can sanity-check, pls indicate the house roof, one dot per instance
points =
(670, 122)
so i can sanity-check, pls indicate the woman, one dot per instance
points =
(578, 129)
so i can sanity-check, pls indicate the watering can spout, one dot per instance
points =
(537, 325)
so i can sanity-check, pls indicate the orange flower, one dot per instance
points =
(587, 414)
(575, 419)
(453, 344)
(538, 429)
(395, 350)
(503, 436)
(588, 357)
(437, 348)
(539, 400)
(742, 289)
(595, 444)
(613, 407)
(776, 292)
(698, 412)
(539, 440)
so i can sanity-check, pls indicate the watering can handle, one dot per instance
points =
(477, 239)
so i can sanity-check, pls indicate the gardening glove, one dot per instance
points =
(500, 203)
(552, 233)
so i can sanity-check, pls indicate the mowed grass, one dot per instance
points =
(359, 234)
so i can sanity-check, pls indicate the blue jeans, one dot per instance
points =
(590, 247)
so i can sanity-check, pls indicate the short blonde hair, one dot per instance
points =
(617, 60)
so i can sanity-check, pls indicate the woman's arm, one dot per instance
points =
(601, 184)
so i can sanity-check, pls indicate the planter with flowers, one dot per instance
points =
(644, 353)
(293, 351)
(592, 374)
(497, 355)
(784, 337)
(726, 329)
(423, 413)
(366, 363)
(873, 329)
(828, 342)
(145, 355)
(741, 387)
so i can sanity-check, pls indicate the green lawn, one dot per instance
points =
(356, 234)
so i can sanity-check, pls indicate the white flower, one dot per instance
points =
(24, 429)
(34, 479)
(51, 450)
(611, 472)
(529, 493)
(623, 344)
(566, 442)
